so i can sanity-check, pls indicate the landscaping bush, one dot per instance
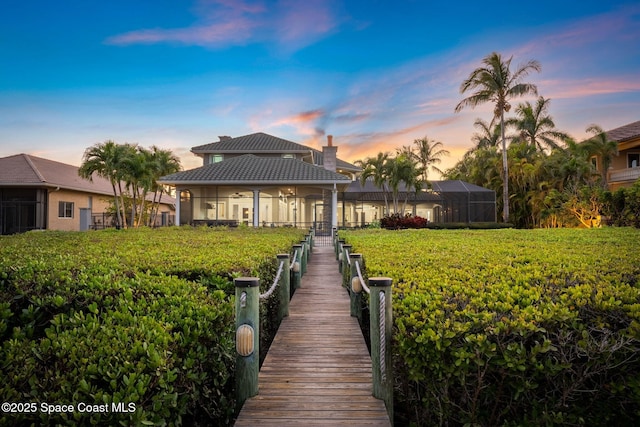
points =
(396, 221)
(512, 327)
(136, 317)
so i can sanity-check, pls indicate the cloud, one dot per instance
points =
(223, 23)
(573, 88)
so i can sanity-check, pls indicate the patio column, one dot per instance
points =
(256, 208)
(334, 207)
(178, 191)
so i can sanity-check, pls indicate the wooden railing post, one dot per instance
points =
(312, 233)
(247, 337)
(355, 290)
(284, 287)
(338, 248)
(303, 258)
(297, 269)
(307, 239)
(343, 263)
(381, 327)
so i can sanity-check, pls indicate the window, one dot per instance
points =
(215, 158)
(287, 156)
(594, 162)
(65, 210)
(633, 160)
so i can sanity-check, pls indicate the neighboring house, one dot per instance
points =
(42, 194)
(263, 180)
(625, 167)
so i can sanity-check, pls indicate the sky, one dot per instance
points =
(374, 74)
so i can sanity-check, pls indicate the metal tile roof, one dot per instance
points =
(254, 143)
(250, 169)
(264, 143)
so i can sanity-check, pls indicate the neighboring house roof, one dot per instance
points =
(25, 170)
(250, 169)
(261, 143)
(624, 133)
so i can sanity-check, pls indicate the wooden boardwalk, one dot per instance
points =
(318, 369)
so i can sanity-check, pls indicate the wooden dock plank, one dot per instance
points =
(318, 370)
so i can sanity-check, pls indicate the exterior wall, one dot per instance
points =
(97, 203)
(206, 158)
(621, 173)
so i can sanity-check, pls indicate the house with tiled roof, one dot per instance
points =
(263, 180)
(625, 166)
(42, 194)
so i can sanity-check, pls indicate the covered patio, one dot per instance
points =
(259, 192)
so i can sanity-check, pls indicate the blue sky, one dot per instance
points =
(375, 74)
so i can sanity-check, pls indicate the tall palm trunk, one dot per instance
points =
(117, 204)
(505, 172)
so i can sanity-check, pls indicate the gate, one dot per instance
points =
(322, 225)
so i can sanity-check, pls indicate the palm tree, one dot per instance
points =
(376, 168)
(105, 159)
(428, 153)
(402, 169)
(496, 83)
(489, 135)
(536, 127)
(164, 163)
(601, 146)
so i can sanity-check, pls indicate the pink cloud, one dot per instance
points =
(588, 87)
(221, 23)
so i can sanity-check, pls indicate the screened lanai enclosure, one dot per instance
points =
(440, 202)
(290, 206)
(357, 205)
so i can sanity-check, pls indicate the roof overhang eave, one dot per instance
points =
(270, 182)
(54, 186)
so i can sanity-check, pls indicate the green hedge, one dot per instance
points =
(140, 317)
(512, 327)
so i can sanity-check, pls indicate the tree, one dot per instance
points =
(427, 153)
(401, 169)
(603, 148)
(494, 82)
(135, 167)
(535, 126)
(489, 135)
(376, 168)
(105, 159)
(388, 173)
(164, 163)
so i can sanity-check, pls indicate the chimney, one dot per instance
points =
(224, 138)
(329, 154)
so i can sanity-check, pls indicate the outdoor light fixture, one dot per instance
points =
(244, 340)
(356, 286)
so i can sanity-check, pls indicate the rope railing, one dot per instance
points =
(383, 340)
(247, 311)
(275, 283)
(380, 318)
(362, 282)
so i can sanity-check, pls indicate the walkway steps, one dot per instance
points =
(318, 369)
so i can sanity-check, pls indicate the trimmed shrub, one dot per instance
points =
(137, 324)
(512, 327)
